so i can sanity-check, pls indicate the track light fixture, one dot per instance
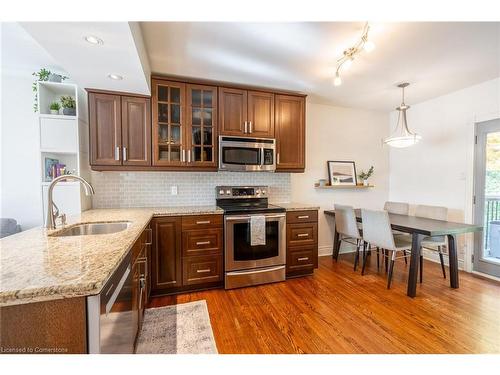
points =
(345, 62)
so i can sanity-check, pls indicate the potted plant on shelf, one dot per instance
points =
(54, 108)
(366, 175)
(44, 75)
(69, 105)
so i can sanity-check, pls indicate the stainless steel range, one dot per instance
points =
(247, 264)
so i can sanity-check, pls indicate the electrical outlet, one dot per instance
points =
(173, 190)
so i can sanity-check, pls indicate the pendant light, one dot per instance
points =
(402, 136)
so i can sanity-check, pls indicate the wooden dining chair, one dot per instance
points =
(347, 228)
(435, 243)
(377, 232)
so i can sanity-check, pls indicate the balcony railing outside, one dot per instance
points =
(491, 213)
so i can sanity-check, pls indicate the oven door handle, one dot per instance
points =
(250, 272)
(234, 218)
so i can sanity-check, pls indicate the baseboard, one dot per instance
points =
(486, 276)
(433, 256)
(327, 250)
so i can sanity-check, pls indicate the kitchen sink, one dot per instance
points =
(93, 228)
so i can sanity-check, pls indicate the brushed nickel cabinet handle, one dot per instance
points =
(246, 127)
(124, 153)
(303, 235)
(303, 217)
(117, 153)
(183, 155)
(203, 271)
(203, 222)
(250, 127)
(302, 259)
(203, 243)
(278, 158)
(189, 156)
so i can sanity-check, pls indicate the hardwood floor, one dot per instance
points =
(340, 311)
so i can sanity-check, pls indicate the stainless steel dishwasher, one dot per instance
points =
(110, 315)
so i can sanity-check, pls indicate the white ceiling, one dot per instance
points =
(436, 58)
(89, 65)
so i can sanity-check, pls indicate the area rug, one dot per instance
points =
(177, 329)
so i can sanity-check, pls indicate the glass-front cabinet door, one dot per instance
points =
(201, 128)
(168, 122)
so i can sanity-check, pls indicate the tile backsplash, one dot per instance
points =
(153, 189)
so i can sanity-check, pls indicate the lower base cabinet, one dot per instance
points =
(301, 243)
(186, 254)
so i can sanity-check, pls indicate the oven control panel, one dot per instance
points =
(241, 192)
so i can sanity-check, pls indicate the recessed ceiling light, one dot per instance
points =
(116, 77)
(94, 40)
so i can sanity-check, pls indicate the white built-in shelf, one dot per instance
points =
(47, 183)
(59, 117)
(316, 186)
(58, 151)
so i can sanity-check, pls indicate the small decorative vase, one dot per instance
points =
(54, 112)
(55, 78)
(69, 111)
(366, 183)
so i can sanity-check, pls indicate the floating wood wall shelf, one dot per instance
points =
(316, 186)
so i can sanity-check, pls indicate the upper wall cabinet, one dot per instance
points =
(169, 133)
(184, 125)
(178, 128)
(136, 131)
(201, 126)
(105, 129)
(290, 133)
(246, 113)
(120, 130)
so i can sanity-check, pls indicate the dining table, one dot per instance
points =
(418, 228)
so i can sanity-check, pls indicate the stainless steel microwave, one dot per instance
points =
(247, 154)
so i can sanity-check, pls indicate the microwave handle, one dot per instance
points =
(262, 157)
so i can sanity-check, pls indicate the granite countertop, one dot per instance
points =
(34, 266)
(294, 206)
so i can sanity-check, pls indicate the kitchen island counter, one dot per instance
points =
(37, 266)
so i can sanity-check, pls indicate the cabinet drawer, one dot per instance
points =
(201, 269)
(201, 242)
(300, 259)
(301, 217)
(302, 234)
(201, 221)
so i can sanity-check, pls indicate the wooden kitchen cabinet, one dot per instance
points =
(233, 111)
(169, 124)
(105, 129)
(120, 130)
(166, 268)
(261, 114)
(195, 262)
(301, 242)
(246, 113)
(201, 126)
(290, 133)
(136, 131)
(177, 128)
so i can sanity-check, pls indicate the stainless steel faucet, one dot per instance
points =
(52, 215)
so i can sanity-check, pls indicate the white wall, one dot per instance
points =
(20, 171)
(336, 133)
(438, 170)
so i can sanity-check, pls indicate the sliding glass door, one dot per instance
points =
(487, 198)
